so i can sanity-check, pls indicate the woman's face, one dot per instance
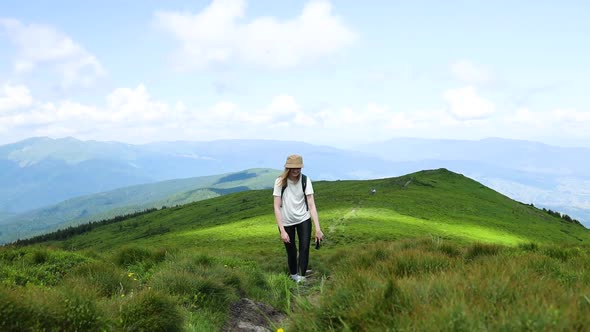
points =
(294, 172)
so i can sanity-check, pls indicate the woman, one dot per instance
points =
(294, 207)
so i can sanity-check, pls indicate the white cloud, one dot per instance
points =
(133, 115)
(466, 104)
(125, 111)
(284, 110)
(14, 97)
(572, 116)
(42, 45)
(136, 105)
(230, 120)
(468, 72)
(220, 34)
(562, 121)
(371, 116)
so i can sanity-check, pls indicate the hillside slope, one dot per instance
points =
(428, 251)
(132, 199)
(436, 203)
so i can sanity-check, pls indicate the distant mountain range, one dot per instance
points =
(41, 172)
(131, 199)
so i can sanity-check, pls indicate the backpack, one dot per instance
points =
(303, 185)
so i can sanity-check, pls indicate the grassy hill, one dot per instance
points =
(432, 249)
(131, 199)
(438, 203)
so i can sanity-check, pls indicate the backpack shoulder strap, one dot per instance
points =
(303, 182)
(304, 186)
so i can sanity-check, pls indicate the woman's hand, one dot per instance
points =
(319, 235)
(285, 237)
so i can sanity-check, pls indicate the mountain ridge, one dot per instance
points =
(425, 203)
(549, 176)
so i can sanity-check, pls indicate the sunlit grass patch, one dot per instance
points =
(380, 224)
(259, 226)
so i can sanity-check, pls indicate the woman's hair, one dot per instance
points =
(284, 177)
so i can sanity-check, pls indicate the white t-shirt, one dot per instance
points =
(294, 210)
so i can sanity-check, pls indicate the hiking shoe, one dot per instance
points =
(300, 279)
(295, 277)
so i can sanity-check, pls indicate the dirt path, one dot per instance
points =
(249, 316)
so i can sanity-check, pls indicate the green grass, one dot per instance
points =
(429, 250)
(414, 285)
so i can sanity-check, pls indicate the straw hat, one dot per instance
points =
(294, 161)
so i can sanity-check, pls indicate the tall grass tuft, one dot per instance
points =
(280, 291)
(131, 255)
(42, 309)
(482, 249)
(450, 250)
(194, 291)
(107, 279)
(79, 311)
(561, 253)
(530, 246)
(151, 311)
(416, 262)
(16, 313)
(39, 256)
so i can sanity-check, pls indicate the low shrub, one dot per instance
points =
(105, 278)
(131, 255)
(40, 256)
(39, 309)
(15, 312)
(151, 311)
(560, 253)
(450, 250)
(530, 246)
(78, 312)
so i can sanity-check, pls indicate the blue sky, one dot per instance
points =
(325, 72)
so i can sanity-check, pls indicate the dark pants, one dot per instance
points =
(304, 234)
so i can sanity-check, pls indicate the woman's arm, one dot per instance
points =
(279, 218)
(319, 235)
